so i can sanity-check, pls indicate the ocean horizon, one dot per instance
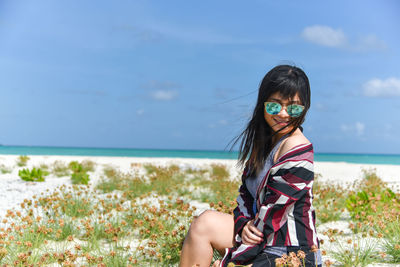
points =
(179, 153)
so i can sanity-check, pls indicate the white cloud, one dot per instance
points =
(324, 35)
(357, 128)
(327, 36)
(164, 95)
(371, 42)
(382, 88)
(162, 90)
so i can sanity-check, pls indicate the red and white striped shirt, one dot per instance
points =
(284, 203)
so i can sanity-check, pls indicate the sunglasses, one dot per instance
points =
(274, 108)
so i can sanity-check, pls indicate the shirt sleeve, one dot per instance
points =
(244, 209)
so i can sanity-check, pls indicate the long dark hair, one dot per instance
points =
(256, 139)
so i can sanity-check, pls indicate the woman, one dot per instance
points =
(274, 214)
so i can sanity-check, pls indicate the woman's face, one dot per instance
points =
(280, 120)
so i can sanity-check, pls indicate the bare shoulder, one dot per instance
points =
(296, 139)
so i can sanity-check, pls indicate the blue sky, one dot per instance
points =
(184, 74)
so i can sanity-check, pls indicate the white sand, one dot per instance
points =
(342, 172)
(13, 190)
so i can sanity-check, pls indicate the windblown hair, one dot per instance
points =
(256, 139)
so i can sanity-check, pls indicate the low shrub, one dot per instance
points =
(60, 169)
(80, 178)
(22, 160)
(34, 175)
(79, 175)
(86, 165)
(4, 169)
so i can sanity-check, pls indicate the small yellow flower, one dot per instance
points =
(280, 262)
(301, 254)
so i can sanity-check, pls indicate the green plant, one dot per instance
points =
(4, 169)
(60, 169)
(80, 178)
(88, 165)
(329, 201)
(374, 205)
(75, 166)
(34, 175)
(22, 160)
(391, 242)
(356, 254)
(219, 171)
(79, 175)
(85, 166)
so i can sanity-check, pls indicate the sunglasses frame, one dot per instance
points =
(283, 106)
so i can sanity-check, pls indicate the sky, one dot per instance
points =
(185, 74)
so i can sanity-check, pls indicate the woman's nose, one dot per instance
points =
(283, 113)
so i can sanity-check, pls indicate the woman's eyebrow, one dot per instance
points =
(280, 101)
(276, 100)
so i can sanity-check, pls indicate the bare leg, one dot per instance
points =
(212, 229)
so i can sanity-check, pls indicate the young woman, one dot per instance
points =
(274, 214)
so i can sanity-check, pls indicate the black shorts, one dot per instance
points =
(268, 260)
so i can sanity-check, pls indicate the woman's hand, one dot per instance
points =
(250, 234)
(216, 263)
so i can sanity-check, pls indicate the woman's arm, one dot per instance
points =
(243, 212)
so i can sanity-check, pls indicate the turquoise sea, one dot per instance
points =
(129, 152)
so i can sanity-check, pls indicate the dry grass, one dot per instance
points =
(141, 220)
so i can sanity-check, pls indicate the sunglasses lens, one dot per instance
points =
(295, 110)
(273, 108)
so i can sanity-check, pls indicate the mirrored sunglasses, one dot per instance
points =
(274, 108)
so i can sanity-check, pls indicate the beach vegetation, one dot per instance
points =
(356, 253)
(22, 160)
(219, 172)
(85, 165)
(44, 166)
(162, 180)
(112, 180)
(132, 219)
(79, 175)
(88, 165)
(4, 169)
(392, 240)
(60, 169)
(34, 175)
(329, 201)
(45, 169)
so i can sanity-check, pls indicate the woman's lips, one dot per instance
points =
(282, 123)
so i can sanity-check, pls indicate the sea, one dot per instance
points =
(211, 154)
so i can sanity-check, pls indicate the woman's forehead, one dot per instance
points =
(278, 96)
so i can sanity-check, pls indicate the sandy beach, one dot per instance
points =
(14, 190)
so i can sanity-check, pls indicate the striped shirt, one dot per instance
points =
(284, 203)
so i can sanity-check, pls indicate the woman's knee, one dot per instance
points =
(203, 224)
